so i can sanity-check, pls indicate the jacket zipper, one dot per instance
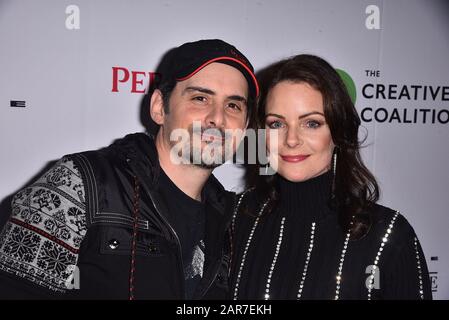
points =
(178, 243)
(181, 263)
(173, 232)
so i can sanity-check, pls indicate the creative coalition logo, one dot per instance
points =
(398, 103)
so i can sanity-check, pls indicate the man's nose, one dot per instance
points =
(216, 117)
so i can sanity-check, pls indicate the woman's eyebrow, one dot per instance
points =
(300, 117)
(310, 113)
(274, 115)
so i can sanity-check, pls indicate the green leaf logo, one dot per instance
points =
(349, 83)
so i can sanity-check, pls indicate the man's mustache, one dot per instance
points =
(212, 133)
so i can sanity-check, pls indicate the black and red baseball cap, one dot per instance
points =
(186, 60)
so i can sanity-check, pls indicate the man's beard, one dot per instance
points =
(206, 154)
(204, 163)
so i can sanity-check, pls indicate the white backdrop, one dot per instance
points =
(57, 59)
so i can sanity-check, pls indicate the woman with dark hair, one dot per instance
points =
(313, 229)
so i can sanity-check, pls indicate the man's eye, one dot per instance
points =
(199, 98)
(275, 124)
(234, 106)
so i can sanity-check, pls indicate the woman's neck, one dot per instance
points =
(306, 200)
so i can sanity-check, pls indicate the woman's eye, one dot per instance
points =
(312, 124)
(275, 124)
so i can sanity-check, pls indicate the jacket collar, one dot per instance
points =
(141, 150)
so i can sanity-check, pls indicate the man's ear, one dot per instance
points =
(157, 107)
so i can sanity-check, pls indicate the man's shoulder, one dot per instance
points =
(42, 237)
(121, 148)
(137, 148)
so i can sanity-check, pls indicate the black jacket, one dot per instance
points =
(116, 184)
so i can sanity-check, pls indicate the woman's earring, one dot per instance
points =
(334, 166)
(334, 173)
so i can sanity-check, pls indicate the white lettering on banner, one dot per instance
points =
(373, 19)
(72, 22)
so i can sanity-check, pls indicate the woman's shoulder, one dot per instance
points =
(242, 196)
(248, 206)
(391, 224)
(251, 200)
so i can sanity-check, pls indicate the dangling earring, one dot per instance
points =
(334, 172)
(334, 166)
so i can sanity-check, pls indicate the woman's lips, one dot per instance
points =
(294, 158)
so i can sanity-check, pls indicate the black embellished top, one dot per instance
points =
(299, 251)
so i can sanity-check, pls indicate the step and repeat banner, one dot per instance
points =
(73, 75)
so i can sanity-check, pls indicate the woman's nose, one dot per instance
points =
(293, 138)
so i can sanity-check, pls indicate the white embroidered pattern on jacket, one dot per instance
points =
(418, 264)
(41, 240)
(306, 264)
(245, 252)
(273, 263)
(236, 210)
(379, 253)
(342, 260)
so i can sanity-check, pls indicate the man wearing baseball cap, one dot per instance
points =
(143, 218)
